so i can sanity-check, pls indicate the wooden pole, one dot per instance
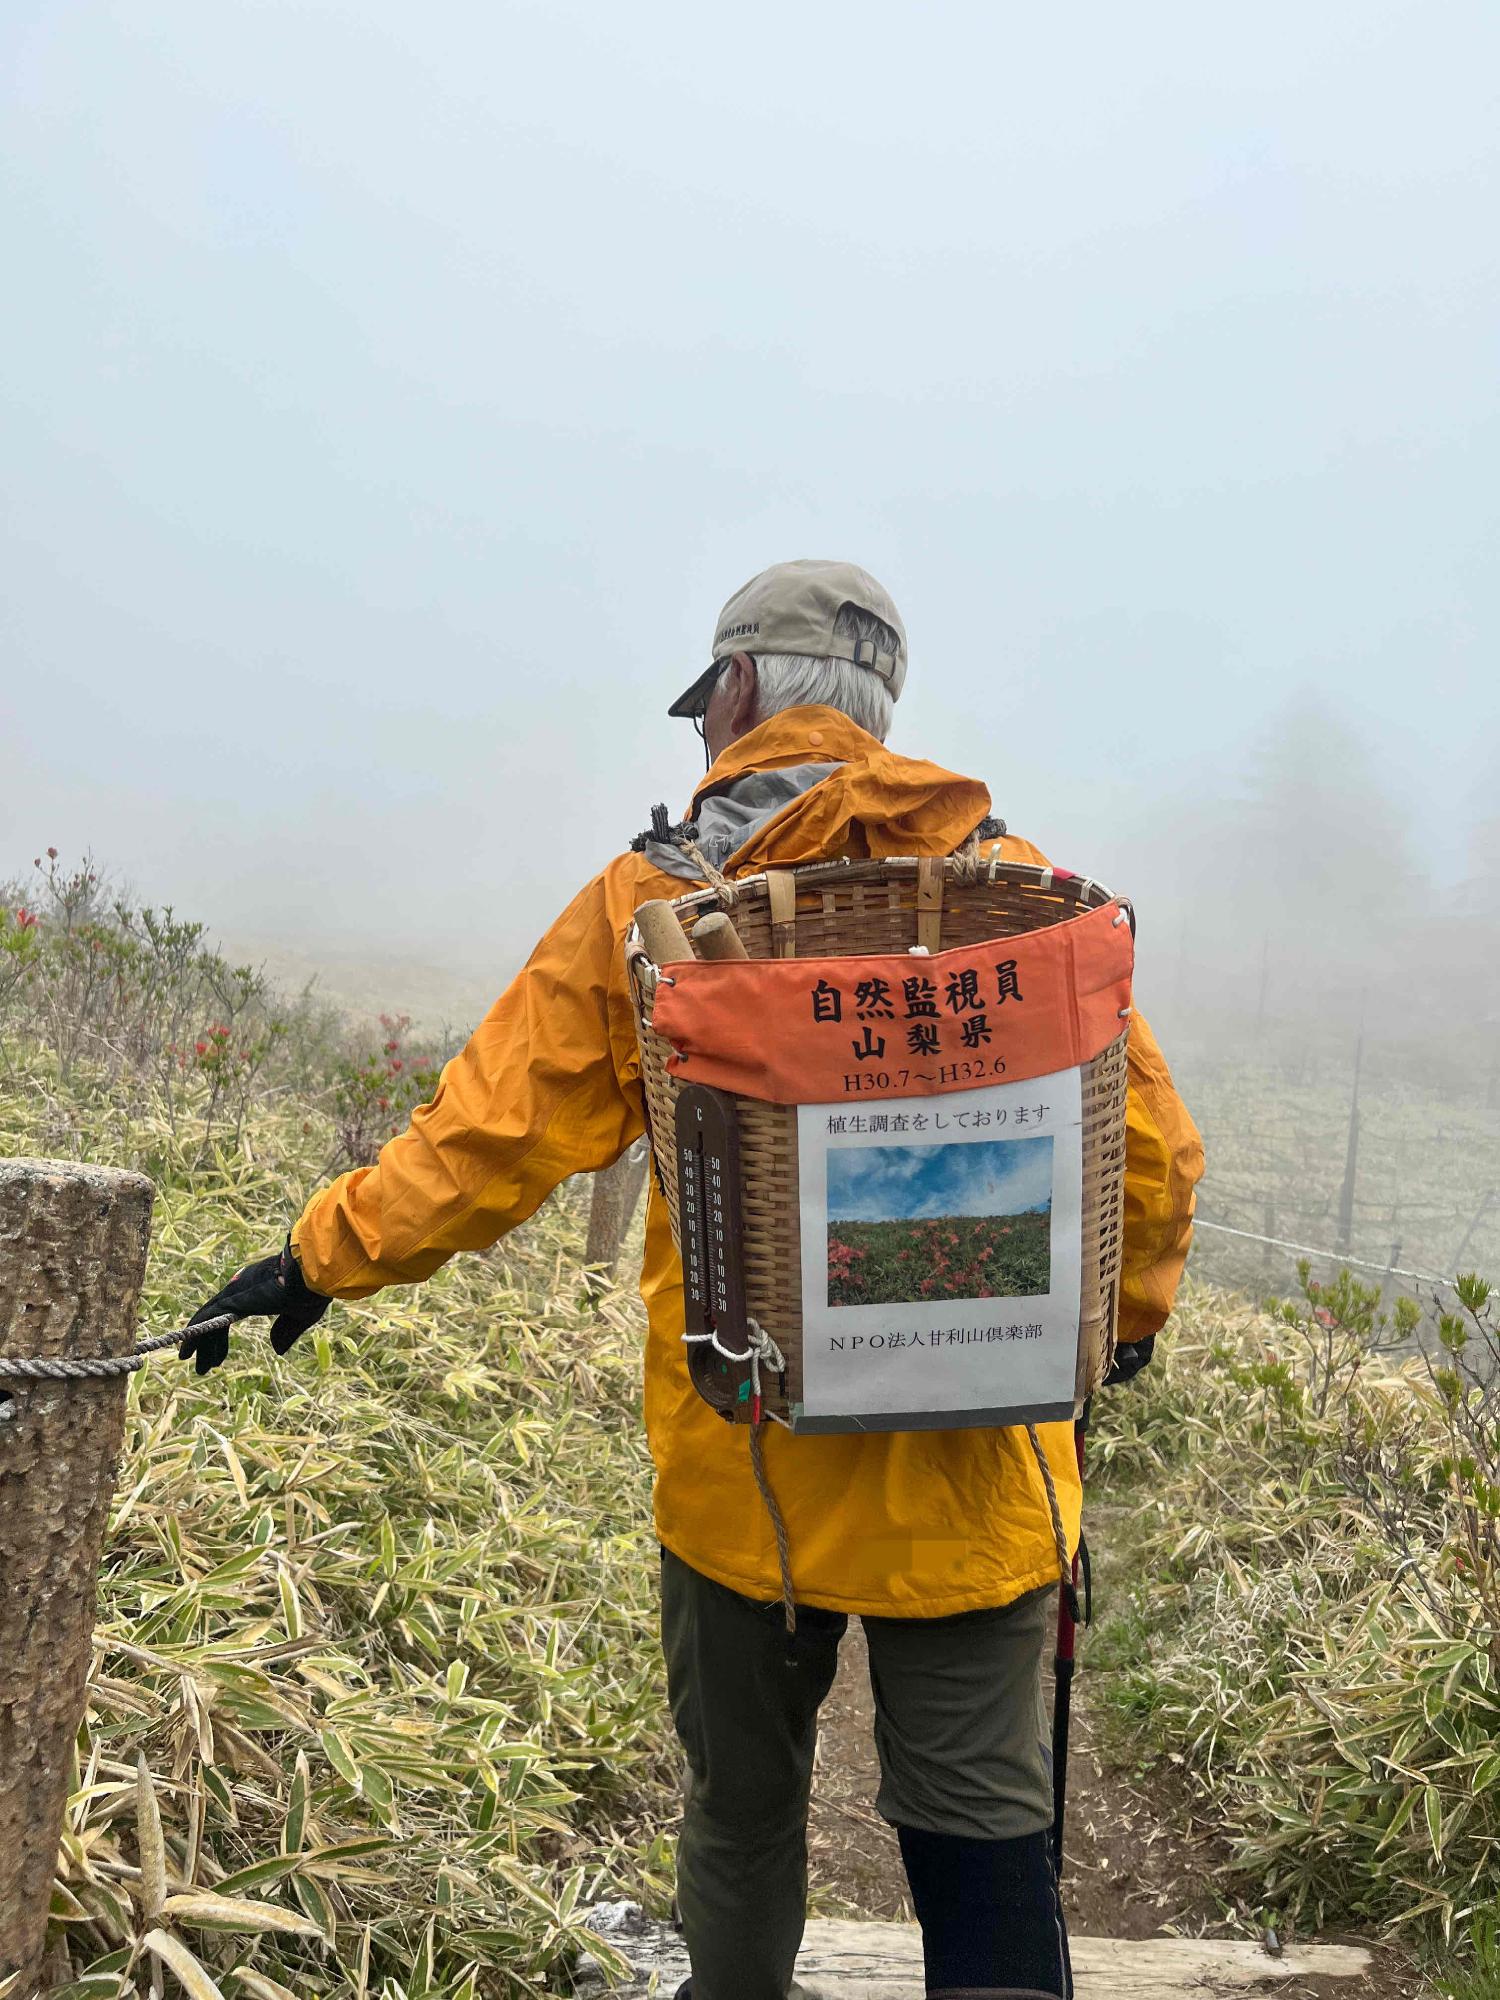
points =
(715, 937)
(1456, 1263)
(73, 1243)
(1344, 1240)
(661, 933)
(617, 1189)
(1387, 1280)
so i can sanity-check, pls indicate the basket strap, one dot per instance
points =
(781, 893)
(930, 901)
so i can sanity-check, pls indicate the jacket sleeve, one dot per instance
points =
(1163, 1164)
(543, 1089)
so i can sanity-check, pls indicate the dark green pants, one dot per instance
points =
(958, 1727)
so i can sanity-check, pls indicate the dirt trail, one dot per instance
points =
(1137, 1864)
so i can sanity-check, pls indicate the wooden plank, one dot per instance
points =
(1229, 1965)
(884, 1962)
(842, 1960)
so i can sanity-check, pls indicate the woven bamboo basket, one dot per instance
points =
(851, 909)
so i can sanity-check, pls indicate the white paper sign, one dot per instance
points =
(941, 1256)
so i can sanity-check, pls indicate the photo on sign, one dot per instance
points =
(968, 1221)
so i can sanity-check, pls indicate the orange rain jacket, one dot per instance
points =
(914, 1524)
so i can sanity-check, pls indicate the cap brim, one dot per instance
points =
(692, 699)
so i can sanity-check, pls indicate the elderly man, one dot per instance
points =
(938, 1540)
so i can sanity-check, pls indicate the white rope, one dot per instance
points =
(1334, 1256)
(762, 1350)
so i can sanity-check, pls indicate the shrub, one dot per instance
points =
(375, 1091)
(1314, 1629)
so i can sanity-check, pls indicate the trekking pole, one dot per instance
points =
(1063, 1663)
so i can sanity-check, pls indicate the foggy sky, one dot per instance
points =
(390, 397)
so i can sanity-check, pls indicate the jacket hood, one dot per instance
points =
(871, 804)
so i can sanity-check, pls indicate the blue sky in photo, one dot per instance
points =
(916, 1183)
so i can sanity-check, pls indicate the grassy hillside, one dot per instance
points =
(1275, 1124)
(1313, 1634)
(378, 1617)
(945, 1257)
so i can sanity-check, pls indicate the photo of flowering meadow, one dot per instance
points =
(968, 1221)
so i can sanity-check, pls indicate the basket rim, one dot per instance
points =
(1088, 893)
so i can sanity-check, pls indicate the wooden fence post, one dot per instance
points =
(73, 1243)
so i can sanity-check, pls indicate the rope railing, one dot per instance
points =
(38, 1368)
(1334, 1256)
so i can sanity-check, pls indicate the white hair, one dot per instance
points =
(801, 680)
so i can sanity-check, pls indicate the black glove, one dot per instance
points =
(1131, 1356)
(273, 1286)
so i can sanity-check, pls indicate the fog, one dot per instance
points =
(391, 396)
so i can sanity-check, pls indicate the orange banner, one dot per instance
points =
(821, 1030)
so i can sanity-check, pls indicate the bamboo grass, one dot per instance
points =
(376, 1620)
(1305, 1637)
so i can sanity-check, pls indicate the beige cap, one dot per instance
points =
(791, 608)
